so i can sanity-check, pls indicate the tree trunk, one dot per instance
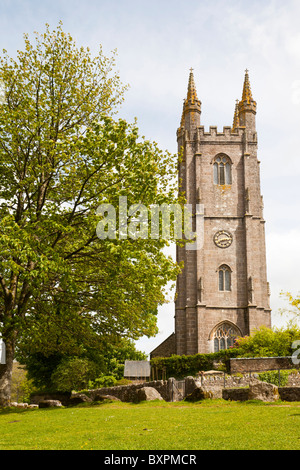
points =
(6, 374)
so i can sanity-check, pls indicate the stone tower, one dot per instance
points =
(223, 290)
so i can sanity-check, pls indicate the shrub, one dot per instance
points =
(73, 374)
(124, 382)
(268, 342)
(105, 381)
(272, 377)
(182, 366)
(22, 387)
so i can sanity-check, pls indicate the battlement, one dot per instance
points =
(213, 131)
(213, 135)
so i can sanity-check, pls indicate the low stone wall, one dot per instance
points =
(125, 393)
(261, 364)
(217, 379)
(236, 388)
(289, 393)
(128, 393)
(242, 394)
(64, 398)
(235, 394)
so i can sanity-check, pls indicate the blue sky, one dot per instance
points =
(157, 43)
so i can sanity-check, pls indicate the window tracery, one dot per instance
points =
(222, 170)
(224, 336)
(224, 278)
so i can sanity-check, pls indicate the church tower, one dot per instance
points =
(222, 291)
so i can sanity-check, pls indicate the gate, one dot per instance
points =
(177, 390)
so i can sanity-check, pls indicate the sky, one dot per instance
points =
(157, 43)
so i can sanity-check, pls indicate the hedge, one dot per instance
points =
(183, 366)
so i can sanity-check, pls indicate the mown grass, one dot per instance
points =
(206, 425)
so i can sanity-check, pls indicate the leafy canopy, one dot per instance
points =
(62, 155)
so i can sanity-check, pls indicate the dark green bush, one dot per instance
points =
(73, 374)
(182, 366)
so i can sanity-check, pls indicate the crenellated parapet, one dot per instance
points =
(214, 135)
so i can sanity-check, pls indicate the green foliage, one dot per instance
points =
(61, 156)
(267, 342)
(40, 369)
(264, 342)
(104, 381)
(124, 382)
(182, 366)
(73, 374)
(22, 386)
(108, 358)
(272, 377)
(115, 352)
(25, 390)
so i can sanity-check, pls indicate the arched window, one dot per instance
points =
(222, 170)
(224, 336)
(224, 278)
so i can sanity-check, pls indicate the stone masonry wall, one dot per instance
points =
(241, 365)
(127, 393)
(229, 387)
(237, 208)
(166, 348)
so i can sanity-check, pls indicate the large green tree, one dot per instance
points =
(61, 156)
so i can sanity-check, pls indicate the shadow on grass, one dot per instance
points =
(14, 410)
(152, 403)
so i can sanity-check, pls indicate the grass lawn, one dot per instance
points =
(206, 425)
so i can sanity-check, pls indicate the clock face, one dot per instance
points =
(223, 239)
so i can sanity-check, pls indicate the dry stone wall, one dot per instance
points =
(241, 365)
(129, 393)
(213, 384)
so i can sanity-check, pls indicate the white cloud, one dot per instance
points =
(296, 92)
(283, 268)
(284, 260)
